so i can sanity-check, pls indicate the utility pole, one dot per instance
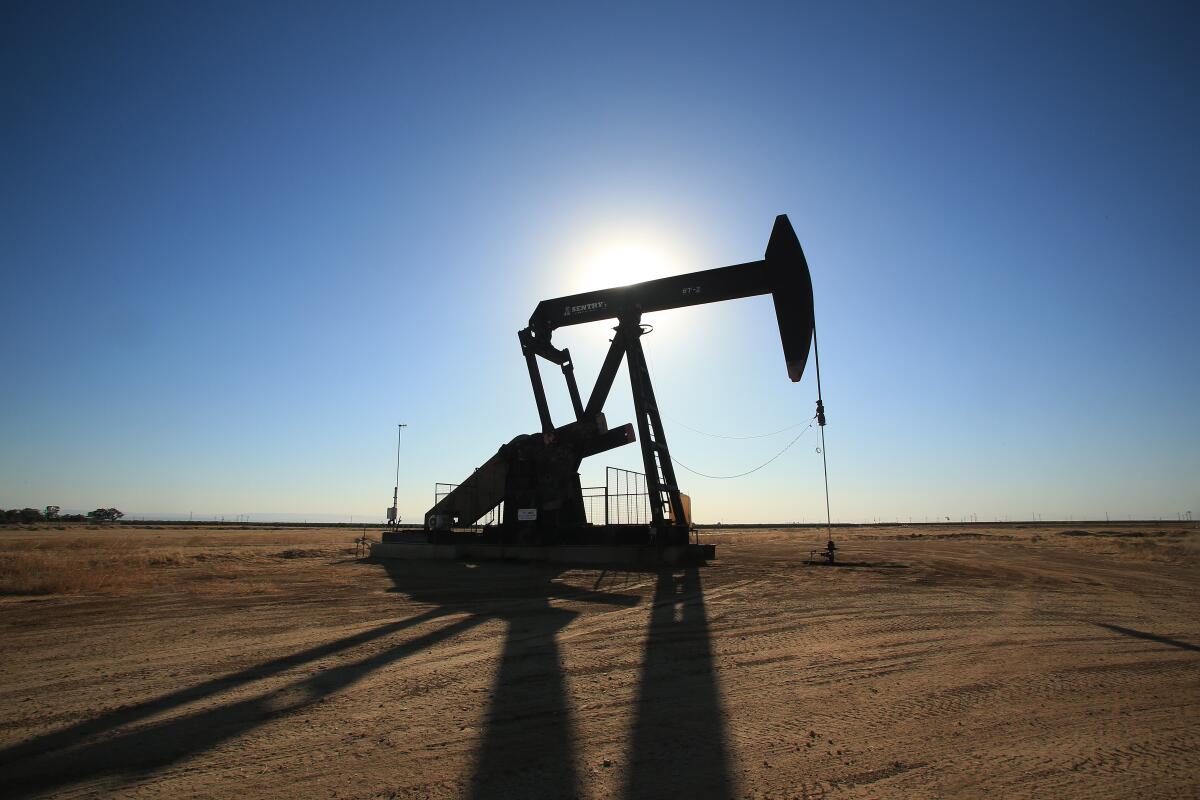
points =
(392, 514)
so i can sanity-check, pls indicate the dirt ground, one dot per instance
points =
(1004, 661)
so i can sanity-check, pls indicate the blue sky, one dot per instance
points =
(240, 242)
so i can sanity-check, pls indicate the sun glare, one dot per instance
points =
(619, 260)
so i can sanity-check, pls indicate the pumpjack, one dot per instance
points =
(536, 475)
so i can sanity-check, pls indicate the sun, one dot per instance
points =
(622, 258)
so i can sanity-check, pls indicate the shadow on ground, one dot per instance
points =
(1151, 637)
(527, 748)
(856, 564)
(679, 743)
(64, 757)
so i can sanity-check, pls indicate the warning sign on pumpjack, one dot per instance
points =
(526, 514)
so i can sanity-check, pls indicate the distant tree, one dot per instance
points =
(51, 512)
(30, 515)
(105, 515)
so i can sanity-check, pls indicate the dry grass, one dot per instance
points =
(1166, 551)
(81, 566)
(126, 570)
(78, 560)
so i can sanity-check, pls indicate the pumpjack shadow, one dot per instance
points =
(528, 748)
(528, 745)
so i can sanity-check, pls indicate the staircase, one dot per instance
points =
(666, 505)
(482, 491)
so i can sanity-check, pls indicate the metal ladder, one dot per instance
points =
(666, 506)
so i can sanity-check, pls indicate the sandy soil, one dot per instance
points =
(939, 662)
